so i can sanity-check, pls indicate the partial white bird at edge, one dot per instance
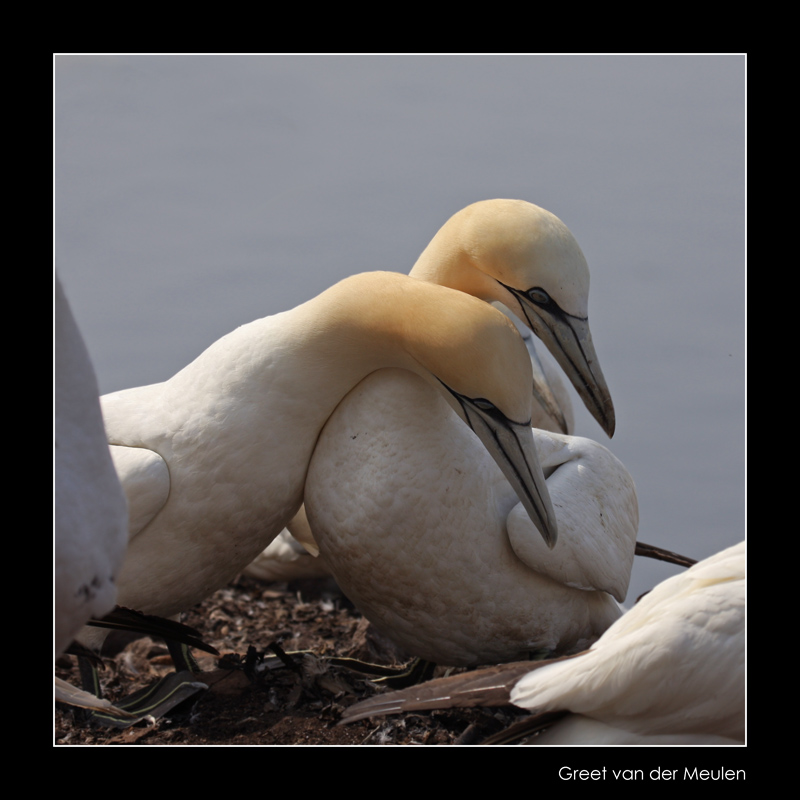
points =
(91, 519)
(670, 671)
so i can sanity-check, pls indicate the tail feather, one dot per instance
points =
(484, 687)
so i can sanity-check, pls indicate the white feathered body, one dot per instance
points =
(226, 442)
(411, 518)
(671, 670)
(90, 512)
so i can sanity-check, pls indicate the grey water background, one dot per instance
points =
(197, 193)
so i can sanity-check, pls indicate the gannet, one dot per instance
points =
(293, 554)
(220, 451)
(394, 548)
(523, 259)
(670, 671)
(91, 518)
(424, 534)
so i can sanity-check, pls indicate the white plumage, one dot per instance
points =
(414, 522)
(525, 260)
(518, 254)
(293, 554)
(428, 539)
(670, 671)
(90, 514)
(217, 455)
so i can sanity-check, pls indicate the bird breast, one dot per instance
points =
(410, 517)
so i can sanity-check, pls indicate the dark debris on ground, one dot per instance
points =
(253, 701)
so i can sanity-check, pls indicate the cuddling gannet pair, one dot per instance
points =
(214, 460)
(508, 252)
(294, 554)
(422, 532)
(669, 671)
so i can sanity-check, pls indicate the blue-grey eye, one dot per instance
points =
(484, 405)
(538, 296)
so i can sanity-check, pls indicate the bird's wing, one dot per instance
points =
(145, 480)
(484, 687)
(598, 517)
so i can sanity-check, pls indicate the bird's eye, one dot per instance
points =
(538, 296)
(484, 405)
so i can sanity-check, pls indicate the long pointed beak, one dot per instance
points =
(569, 339)
(512, 447)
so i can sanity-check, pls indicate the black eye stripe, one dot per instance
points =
(535, 294)
(539, 297)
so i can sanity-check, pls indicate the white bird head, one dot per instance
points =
(525, 257)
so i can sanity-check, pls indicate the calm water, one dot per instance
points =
(194, 194)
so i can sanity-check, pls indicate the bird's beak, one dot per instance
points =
(511, 446)
(542, 392)
(569, 339)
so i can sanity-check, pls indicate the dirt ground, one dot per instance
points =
(249, 702)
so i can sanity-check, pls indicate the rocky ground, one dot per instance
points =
(251, 700)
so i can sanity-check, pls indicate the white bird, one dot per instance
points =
(524, 259)
(219, 452)
(670, 671)
(427, 538)
(294, 555)
(411, 518)
(91, 519)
